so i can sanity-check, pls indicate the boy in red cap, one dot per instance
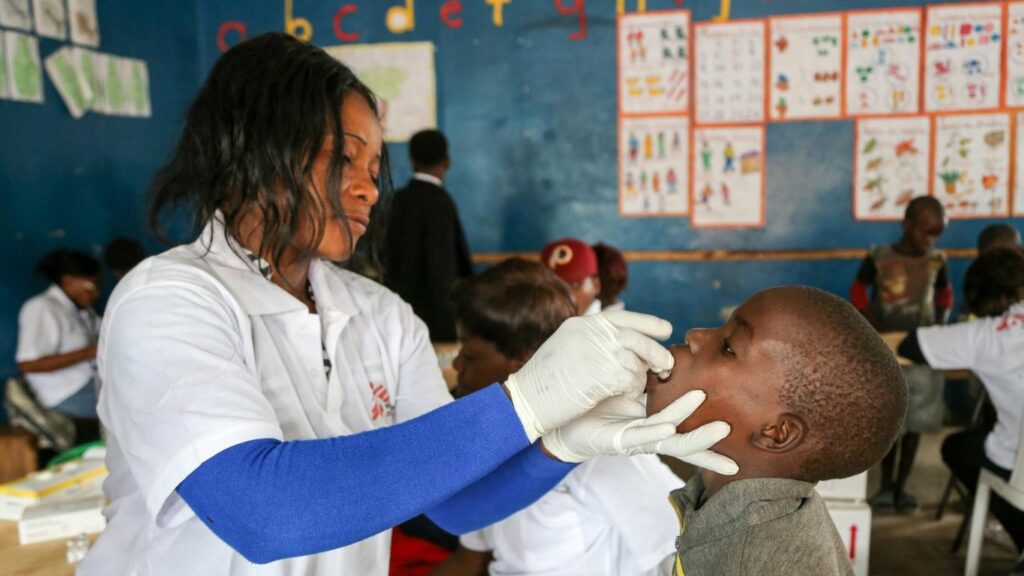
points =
(575, 263)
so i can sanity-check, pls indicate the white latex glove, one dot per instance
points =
(585, 361)
(620, 426)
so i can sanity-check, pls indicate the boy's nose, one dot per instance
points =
(695, 338)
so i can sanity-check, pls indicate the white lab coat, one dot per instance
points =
(200, 352)
(609, 517)
(50, 324)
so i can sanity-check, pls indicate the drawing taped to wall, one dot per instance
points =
(883, 62)
(402, 76)
(891, 165)
(1018, 181)
(51, 19)
(728, 167)
(963, 57)
(16, 14)
(653, 166)
(74, 89)
(805, 77)
(730, 72)
(654, 62)
(85, 26)
(24, 71)
(1015, 55)
(972, 164)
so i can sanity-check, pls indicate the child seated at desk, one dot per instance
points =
(608, 516)
(812, 392)
(900, 287)
(993, 348)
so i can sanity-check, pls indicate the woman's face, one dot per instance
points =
(361, 156)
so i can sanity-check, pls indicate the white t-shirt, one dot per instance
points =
(50, 324)
(993, 348)
(610, 516)
(200, 352)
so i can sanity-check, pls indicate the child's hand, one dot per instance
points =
(618, 426)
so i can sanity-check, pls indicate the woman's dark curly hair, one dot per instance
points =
(251, 137)
(994, 282)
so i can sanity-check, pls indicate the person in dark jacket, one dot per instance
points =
(425, 249)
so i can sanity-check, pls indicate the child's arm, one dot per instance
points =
(464, 562)
(860, 290)
(943, 295)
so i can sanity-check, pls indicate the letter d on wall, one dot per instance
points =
(401, 19)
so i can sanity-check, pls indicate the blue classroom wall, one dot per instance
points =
(531, 117)
(79, 183)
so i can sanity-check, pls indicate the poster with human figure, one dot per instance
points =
(728, 177)
(963, 57)
(972, 164)
(654, 62)
(883, 61)
(1015, 55)
(805, 78)
(890, 166)
(730, 72)
(653, 163)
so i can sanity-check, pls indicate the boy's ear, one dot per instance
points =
(785, 434)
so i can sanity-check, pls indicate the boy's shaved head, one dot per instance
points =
(843, 379)
(810, 390)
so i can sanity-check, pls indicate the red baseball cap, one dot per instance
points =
(570, 259)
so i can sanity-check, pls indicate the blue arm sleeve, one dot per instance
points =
(512, 486)
(271, 500)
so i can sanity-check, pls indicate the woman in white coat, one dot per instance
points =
(271, 413)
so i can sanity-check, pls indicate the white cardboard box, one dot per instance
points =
(853, 521)
(56, 520)
(853, 489)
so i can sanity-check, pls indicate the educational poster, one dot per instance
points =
(1015, 54)
(1018, 180)
(728, 177)
(51, 18)
(116, 83)
(972, 164)
(963, 57)
(24, 72)
(85, 26)
(70, 84)
(890, 165)
(731, 66)
(138, 87)
(3, 67)
(883, 62)
(16, 14)
(654, 62)
(653, 166)
(402, 75)
(805, 78)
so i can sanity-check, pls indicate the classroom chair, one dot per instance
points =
(53, 430)
(953, 484)
(1012, 491)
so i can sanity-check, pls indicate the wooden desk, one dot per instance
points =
(43, 559)
(893, 339)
